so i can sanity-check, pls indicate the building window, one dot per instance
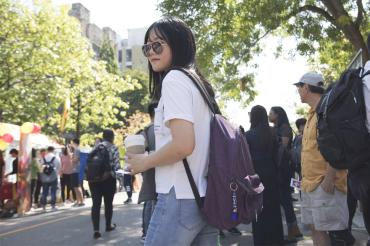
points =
(128, 55)
(120, 56)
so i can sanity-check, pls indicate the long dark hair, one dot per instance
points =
(259, 123)
(180, 40)
(282, 116)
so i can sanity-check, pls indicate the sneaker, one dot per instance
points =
(128, 201)
(43, 209)
(96, 235)
(235, 231)
(81, 205)
(342, 237)
(54, 208)
(221, 234)
(111, 227)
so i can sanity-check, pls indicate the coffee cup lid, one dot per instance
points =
(132, 140)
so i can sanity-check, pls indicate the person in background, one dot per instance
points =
(75, 183)
(65, 175)
(297, 146)
(2, 170)
(2, 167)
(268, 227)
(34, 170)
(50, 181)
(106, 188)
(40, 157)
(97, 141)
(284, 134)
(324, 200)
(14, 154)
(147, 193)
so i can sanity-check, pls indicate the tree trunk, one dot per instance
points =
(350, 30)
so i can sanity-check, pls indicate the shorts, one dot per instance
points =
(74, 180)
(325, 211)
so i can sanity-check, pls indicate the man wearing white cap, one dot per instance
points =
(324, 199)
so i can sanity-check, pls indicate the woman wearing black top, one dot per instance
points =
(284, 134)
(268, 228)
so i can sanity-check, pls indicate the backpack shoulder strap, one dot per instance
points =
(192, 184)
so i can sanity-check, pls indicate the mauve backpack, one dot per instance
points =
(234, 190)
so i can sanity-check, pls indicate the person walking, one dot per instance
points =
(263, 147)
(182, 130)
(105, 188)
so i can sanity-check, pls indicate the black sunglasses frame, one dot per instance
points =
(157, 47)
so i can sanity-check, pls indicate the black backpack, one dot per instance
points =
(343, 138)
(48, 166)
(98, 166)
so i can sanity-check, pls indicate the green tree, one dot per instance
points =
(43, 60)
(138, 98)
(229, 32)
(108, 54)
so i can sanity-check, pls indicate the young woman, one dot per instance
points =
(65, 174)
(284, 133)
(263, 148)
(181, 123)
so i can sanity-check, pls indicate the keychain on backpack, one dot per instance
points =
(234, 214)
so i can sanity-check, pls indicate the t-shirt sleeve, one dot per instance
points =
(177, 97)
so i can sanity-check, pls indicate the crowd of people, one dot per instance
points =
(50, 170)
(179, 129)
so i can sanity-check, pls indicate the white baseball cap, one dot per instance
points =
(312, 78)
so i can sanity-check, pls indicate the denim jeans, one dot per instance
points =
(45, 192)
(148, 210)
(179, 222)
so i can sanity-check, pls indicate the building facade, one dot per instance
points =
(129, 54)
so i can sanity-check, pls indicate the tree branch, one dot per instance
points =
(360, 11)
(316, 10)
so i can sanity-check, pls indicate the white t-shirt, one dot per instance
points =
(182, 100)
(366, 88)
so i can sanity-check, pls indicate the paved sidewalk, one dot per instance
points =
(128, 219)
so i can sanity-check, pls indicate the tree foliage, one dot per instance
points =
(229, 32)
(138, 98)
(43, 60)
(108, 54)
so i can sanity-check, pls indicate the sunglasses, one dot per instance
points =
(156, 46)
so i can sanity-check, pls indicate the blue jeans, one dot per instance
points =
(148, 210)
(45, 192)
(179, 222)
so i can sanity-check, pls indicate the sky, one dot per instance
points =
(274, 77)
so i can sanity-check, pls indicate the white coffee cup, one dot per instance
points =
(135, 144)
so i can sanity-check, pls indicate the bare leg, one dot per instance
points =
(319, 238)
